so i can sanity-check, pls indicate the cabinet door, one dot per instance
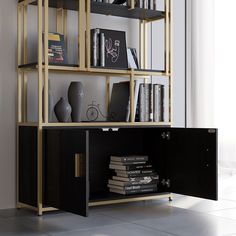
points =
(192, 161)
(66, 168)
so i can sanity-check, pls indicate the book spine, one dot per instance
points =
(133, 167)
(155, 5)
(134, 172)
(140, 191)
(146, 102)
(95, 47)
(141, 104)
(102, 49)
(145, 4)
(151, 102)
(138, 187)
(127, 163)
(129, 158)
(128, 183)
(157, 102)
(151, 4)
(162, 102)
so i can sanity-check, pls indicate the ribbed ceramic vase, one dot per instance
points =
(75, 98)
(62, 110)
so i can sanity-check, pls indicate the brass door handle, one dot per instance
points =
(79, 165)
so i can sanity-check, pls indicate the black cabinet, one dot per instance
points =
(76, 162)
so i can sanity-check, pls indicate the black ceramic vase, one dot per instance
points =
(76, 97)
(62, 110)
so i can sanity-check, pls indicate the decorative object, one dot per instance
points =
(50, 102)
(62, 110)
(94, 111)
(75, 97)
(108, 48)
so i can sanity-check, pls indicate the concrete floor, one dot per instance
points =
(185, 216)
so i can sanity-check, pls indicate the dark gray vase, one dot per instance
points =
(76, 97)
(62, 110)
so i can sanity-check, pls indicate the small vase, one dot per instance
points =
(75, 98)
(62, 110)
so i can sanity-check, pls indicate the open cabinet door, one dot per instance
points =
(192, 162)
(66, 166)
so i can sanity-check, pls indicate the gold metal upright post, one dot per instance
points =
(25, 47)
(132, 116)
(46, 62)
(88, 15)
(82, 30)
(143, 27)
(40, 79)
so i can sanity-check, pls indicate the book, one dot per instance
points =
(146, 102)
(122, 183)
(95, 48)
(129, 192)
(127, 173)
(151, 115)
(119, 102)
(129, 158)
(102, 49)
(134, 175)
(135, 179)
(158, 102)
(57, 53)
(141, 103)
(132, 187)
(127, 163)
(130, 167)
(131, 61)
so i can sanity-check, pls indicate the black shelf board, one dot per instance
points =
(107, 196)
(33, 65)
(124, 11)
(108, 9)
(65, 4)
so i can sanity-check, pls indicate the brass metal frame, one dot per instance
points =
(43, 70)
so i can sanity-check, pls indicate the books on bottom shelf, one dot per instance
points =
(133, 174)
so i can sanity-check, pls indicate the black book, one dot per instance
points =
(129, 183)
(158, 102)
(129, 192)
(127, 163)
(119, 103)
(136, 179)
(130, 167)
(135, 173)
(132, 187)
(129, 158)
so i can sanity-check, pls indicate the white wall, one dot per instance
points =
(94, 86)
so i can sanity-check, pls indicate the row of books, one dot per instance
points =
(146, 4)
(133, 175)
(151, 102)
(148, 102)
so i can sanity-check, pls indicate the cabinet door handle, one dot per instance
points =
(79, 165)
(110, 129)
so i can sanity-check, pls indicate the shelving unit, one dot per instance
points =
(42, 68)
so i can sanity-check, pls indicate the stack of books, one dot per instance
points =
(133, 175)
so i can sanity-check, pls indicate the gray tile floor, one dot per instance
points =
(185, 216)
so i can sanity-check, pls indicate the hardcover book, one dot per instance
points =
(129, 158)
(132, 187)
(129, 192)
(130, 167)
(57, 53)
(129, 183)
(118, 107)
(136, 179)
(127, 163)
